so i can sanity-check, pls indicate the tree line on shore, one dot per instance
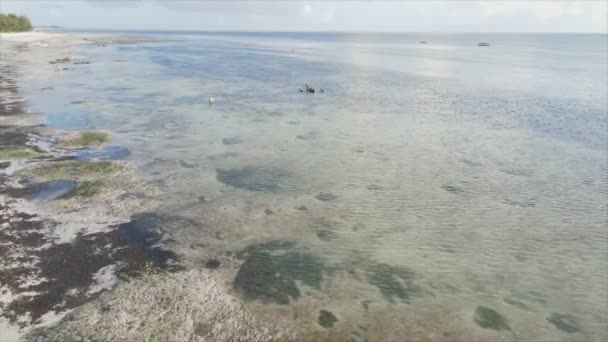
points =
(14, 23)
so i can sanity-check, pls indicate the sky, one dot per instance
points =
(368, 16)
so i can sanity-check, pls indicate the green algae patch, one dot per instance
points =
(564, 322)
(86, 189)
(75, 170)
(273, 271)
(17, 152)
(85, 139)
(490, 319)
(393, 282)
(327, 319)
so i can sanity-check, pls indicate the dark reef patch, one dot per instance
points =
(67, 269)
(84, 189)
(325, 196)
(518, 172)
(232, 141)
(144, 234)
(453, 189)
(12, 103)
(212, 264)
(516, 303)
(324, 229)
(490, 319)
(252, 178)
(564, 322)
(393, 282)
(271, 271)
(13, 136)
(327, 319)
(519, 204)
(187, 165)
(326, 235)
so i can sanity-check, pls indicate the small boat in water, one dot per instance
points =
(483, 44)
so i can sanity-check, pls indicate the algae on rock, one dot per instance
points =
(86, 189)
(17, 152)
(75, 169)
(85, 139)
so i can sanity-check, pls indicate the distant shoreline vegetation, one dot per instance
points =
(14, 23)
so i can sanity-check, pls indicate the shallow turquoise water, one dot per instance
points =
(427, 179)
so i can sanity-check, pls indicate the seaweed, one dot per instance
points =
(85, 189)
(271, 272)
(325, 196)
(327, 319)
(490, 319)
(251, 178)
(564, 322)
(85, 139)
(393, 282)
(17, 152)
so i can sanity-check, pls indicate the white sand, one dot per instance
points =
(27, 37)
(187, 306)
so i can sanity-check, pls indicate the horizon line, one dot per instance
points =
(320, 31)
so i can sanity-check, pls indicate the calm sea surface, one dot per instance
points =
(445, 188)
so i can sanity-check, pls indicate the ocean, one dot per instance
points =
(454, 190)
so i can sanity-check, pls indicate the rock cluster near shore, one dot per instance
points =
(65, 237)
(185, 306)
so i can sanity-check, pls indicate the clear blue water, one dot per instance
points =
(427, 179)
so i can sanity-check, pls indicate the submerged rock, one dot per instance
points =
(74, 169)
(393, 282)
(327, 319)
(453, 189)
(212, 264)
(564, 322)
(516, 303)
(374, 187)
(325, 196)
(326, 235)
(85, 189)
(17, 152)
(490, 319)
(187, 165)
(85, 139)
(232, 141)
(252, 178)
(61, 60)
(271, 272)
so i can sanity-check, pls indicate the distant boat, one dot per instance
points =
(483, 44)
(309, 89)
(423, 42)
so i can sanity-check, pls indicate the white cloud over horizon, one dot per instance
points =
(373, 16)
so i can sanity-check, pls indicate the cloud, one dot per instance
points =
(442, 16)
(305, 10)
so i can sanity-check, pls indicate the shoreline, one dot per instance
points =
(79, 225)
(28, 37)
(53, 214)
